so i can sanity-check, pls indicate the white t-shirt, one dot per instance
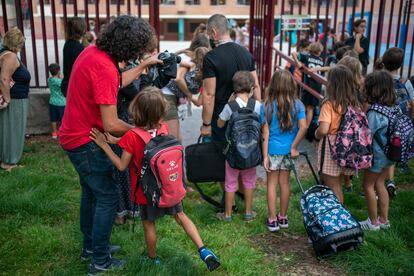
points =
(226, 113)
(165, 90)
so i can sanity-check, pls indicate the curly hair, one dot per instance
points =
(127, 38)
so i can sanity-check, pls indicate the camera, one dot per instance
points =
(161, 74)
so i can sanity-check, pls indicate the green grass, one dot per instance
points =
(39, 229)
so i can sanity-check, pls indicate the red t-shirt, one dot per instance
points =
(94, 81)
(134, 145)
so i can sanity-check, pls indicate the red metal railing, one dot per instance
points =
(42, 26)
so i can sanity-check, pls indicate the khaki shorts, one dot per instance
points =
(172, 110)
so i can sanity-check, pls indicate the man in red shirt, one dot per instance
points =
(91, 103)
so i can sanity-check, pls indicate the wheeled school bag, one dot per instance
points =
(400, 134)
(243, 136)
(329, 225)
(353, 143)
(205, 164)
(162, 172)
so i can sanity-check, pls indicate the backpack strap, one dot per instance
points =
(234, 106)
(251, 103)
(143, 134)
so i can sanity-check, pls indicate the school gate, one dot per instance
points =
(275, 26)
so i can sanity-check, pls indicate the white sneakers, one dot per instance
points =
(367, 225)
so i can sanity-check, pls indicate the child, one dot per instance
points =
(340, 93)
(283, 127)
(57, 101)
(147, 110)
(391, 61)
(243, 84)
(294, 70)
(379, 88)
(311, 60)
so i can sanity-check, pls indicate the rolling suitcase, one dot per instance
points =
(329, 225)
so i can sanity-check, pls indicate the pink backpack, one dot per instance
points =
(353, 145)
(161, 174)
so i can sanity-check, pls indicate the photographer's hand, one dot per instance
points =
(152, 60)
(134, 73)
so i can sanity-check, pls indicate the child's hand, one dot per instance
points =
(300, 64)
(111, 139)
(98, 137)
(294, 153)
(266, 164)
(315, 69)
(232, 97)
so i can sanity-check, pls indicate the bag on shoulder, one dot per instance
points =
(403, 98)
(162, 171)
(353, 144)
(243, 137)
(400, 134)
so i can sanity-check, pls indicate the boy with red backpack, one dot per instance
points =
(156, 167)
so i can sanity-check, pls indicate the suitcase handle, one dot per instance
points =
(304, 154)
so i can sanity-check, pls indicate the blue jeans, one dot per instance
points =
(99, 199)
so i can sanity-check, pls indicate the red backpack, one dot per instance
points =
(161, 174)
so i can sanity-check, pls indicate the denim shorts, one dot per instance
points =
(379, 163)
(56, 113)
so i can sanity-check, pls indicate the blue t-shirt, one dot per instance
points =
(280, 142)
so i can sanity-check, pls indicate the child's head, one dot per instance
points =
(148, 108)
(315, 48)
(379, 88)
(282, 89)
(351, 53)
(341, 88)
(341, 51)
(303, 45)
(355, 66)
(392, 59)
(243, 82)
(199, 55)
(87, 39)
(337, 45)
(54, 69)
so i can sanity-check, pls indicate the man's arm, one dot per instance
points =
(209, 94)
(256, 93)
(111, 122)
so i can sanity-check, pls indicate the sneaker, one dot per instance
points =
(273, 226)
(156, 261)
(283, 221)
(113, 264)
(384, 225)
(55, 135)
(367, 225)
(87, 254)
(250, 217)
(392, 191)
(209, 258)
(223, 217)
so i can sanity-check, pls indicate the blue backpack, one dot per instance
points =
(243, 137)
(403, 98)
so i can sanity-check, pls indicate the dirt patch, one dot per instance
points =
(293, 254)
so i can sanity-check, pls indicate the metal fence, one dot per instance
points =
(44, 21)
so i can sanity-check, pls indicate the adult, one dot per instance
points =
(91, 103)
(360, 43)
(13, 111)
(219, 67)
(171, 118)
(76, 28)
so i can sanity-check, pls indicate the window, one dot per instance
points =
(115, 2)
(192, 2)
(167, 2)
(297, 2)
(193, 26)
(172, 27)
(323, 3)
(243, 2)
(217, 2)
(349, 3)
(143, 2)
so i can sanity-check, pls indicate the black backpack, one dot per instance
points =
(243, 137)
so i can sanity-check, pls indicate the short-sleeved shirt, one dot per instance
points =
(226, 113)
(134, 145)
(280, 141)
(311, 61)
(364, 43)
(56, 96)
(222, 63)
(94, 81)
(166, 90)
(328, 115)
